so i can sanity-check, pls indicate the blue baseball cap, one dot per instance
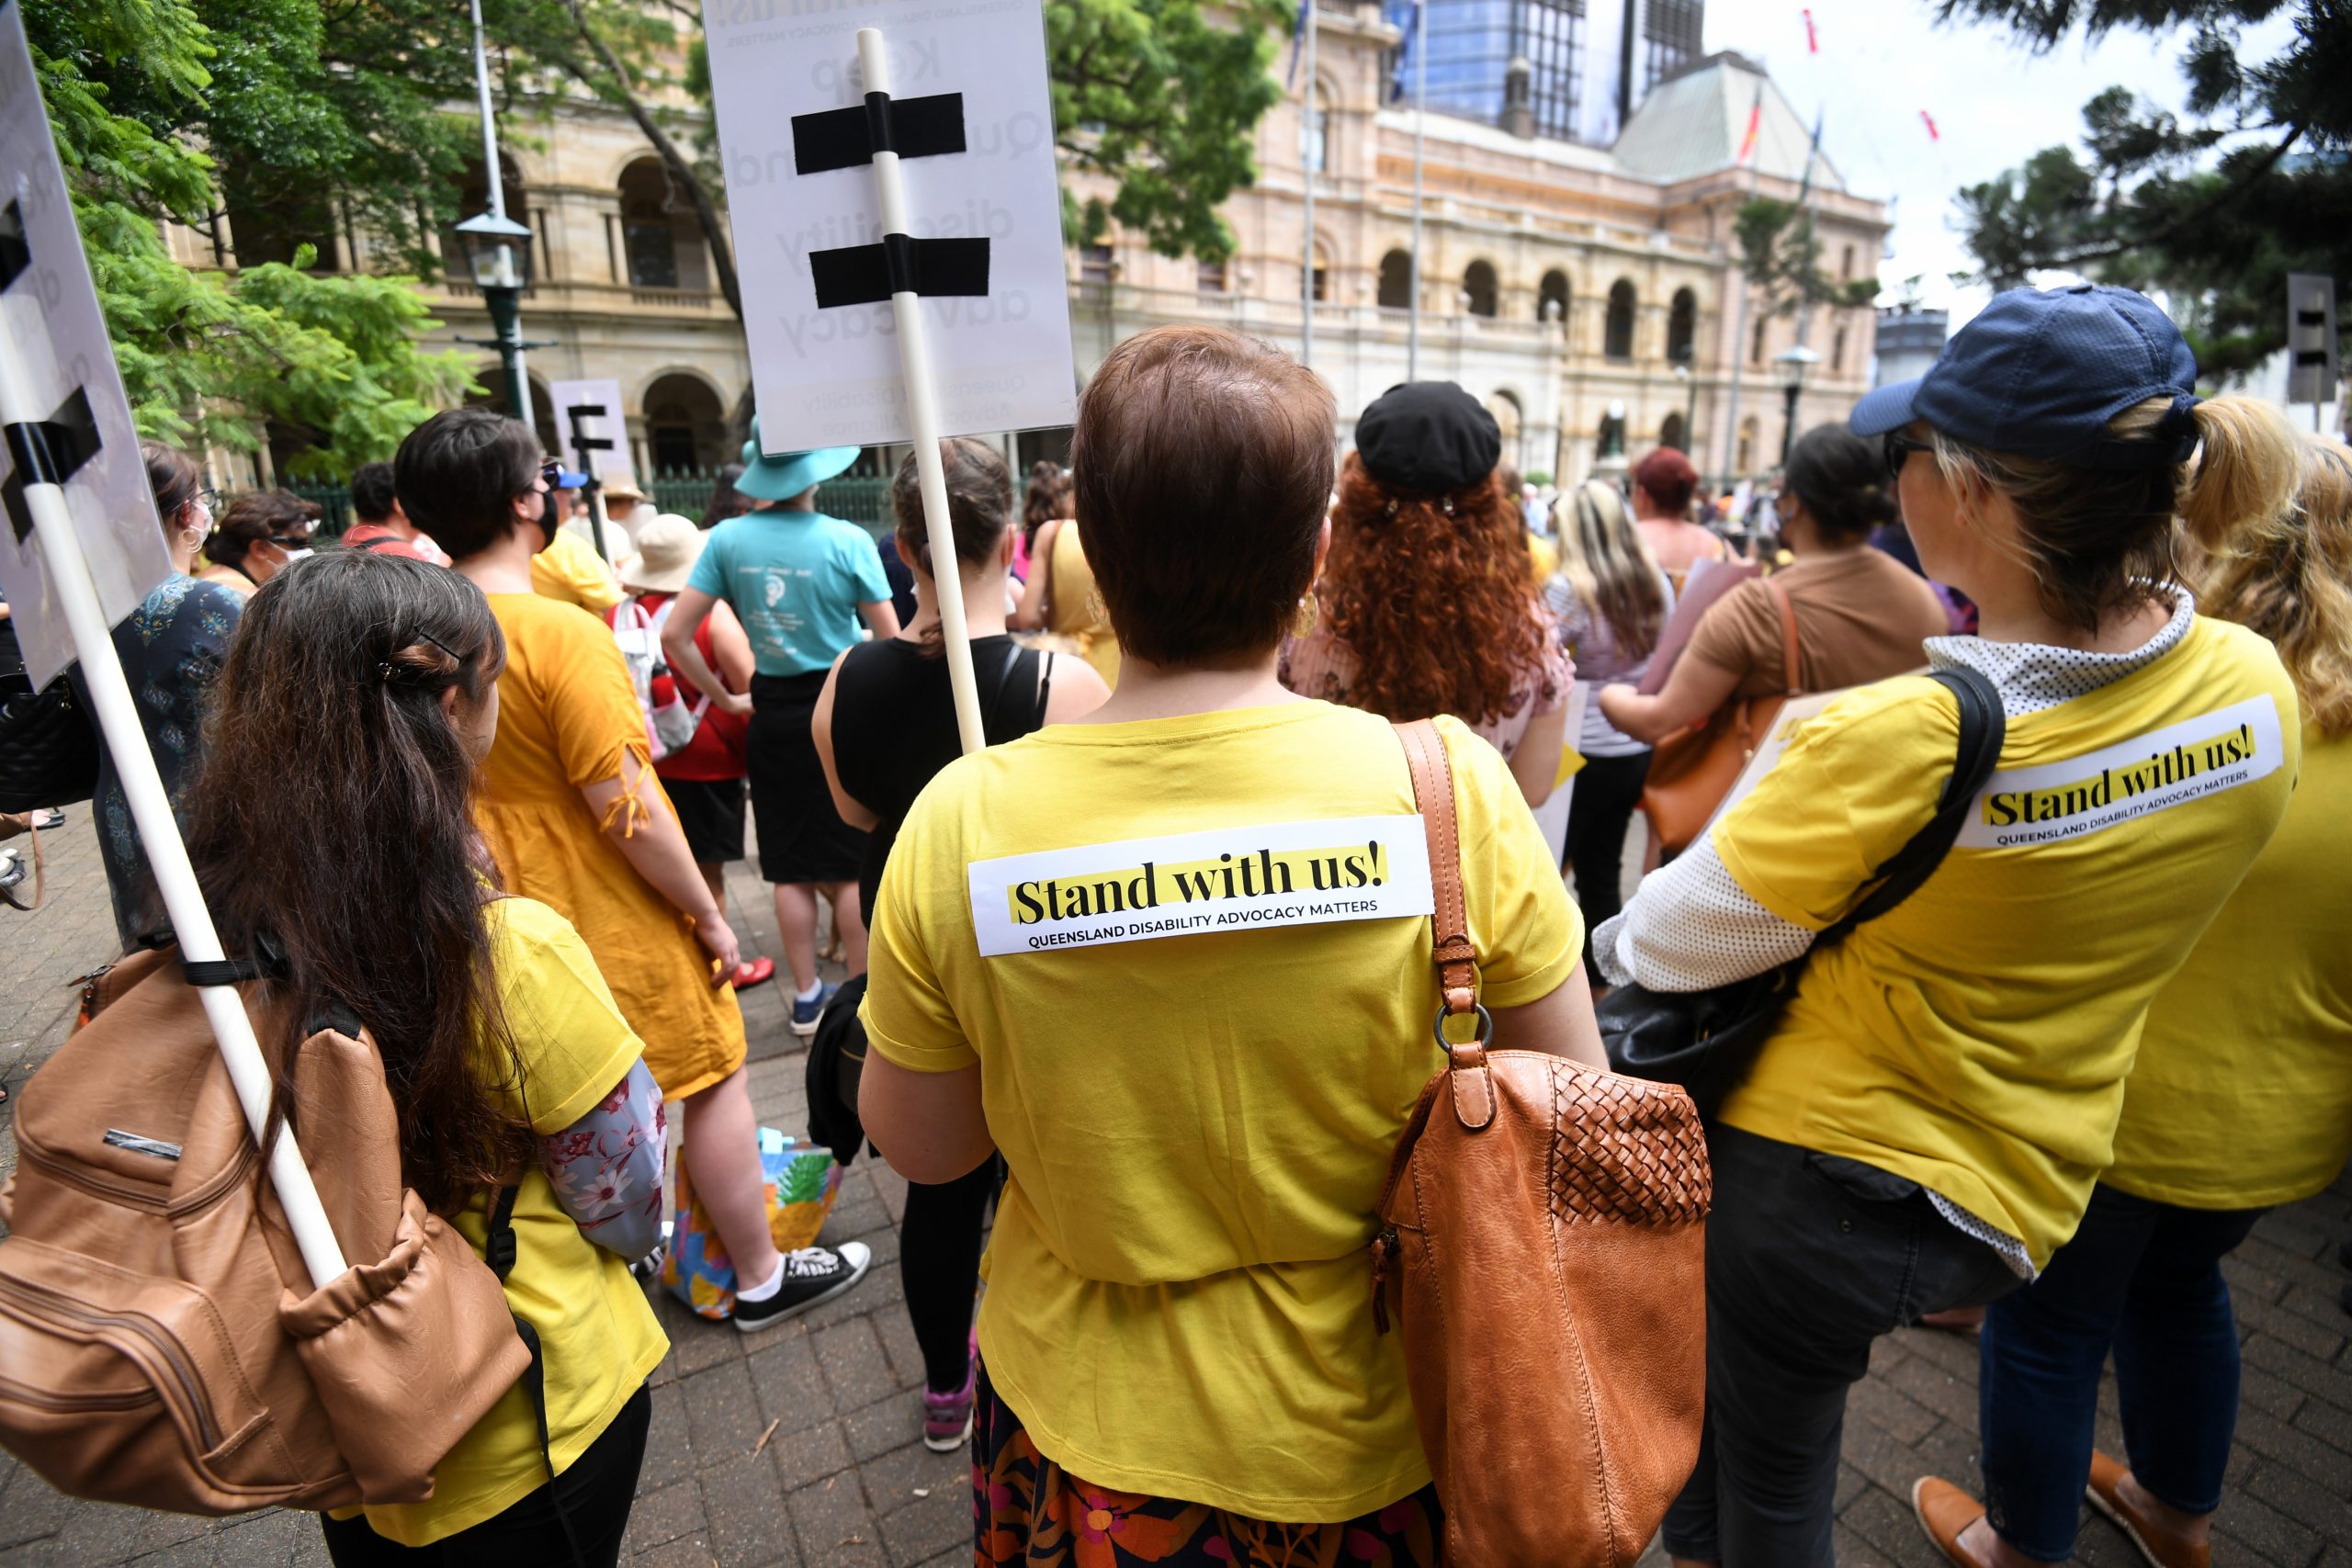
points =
(784, 475)
(2039, 374)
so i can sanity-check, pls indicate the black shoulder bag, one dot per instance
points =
(1706, 1041)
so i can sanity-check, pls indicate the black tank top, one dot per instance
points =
(894, 727)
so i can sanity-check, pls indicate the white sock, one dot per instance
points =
(811, 994)
(762, 1291)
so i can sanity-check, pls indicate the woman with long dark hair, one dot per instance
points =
(1425, 606)
(366, 687)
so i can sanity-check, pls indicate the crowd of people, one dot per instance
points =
(2059, 1082)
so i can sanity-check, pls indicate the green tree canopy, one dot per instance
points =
(2215, 210)
(302, 142)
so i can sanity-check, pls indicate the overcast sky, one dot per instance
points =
(1882, 62)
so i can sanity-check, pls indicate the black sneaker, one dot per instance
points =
(811, 1275)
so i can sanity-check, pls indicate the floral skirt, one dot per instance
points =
(1028, 1510)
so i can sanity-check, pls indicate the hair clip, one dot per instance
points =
(384, 670)
(1446, 505)
(437, 642)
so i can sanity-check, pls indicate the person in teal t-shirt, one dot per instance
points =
(799, 581)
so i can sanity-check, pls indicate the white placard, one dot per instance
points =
(1249, 878)
(611, 425)
(832, 378)
(52, 312)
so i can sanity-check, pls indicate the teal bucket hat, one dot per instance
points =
(782, 477)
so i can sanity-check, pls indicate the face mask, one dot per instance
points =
(293, 555)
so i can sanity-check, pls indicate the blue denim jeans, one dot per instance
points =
(2144, 1278)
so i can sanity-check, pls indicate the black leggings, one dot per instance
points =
(939, 1264)
(595, 1494)
(1607, 791)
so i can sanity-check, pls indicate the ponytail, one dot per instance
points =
(2245, 470)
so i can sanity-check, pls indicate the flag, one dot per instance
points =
(1297, 37)
(1933, 134)
(1812, 44)
(1755, 127)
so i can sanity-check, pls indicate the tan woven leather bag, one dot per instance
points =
(1544, 1254)
(151, 1349)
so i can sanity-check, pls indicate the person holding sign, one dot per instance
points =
(574, 816)
(1172, 962)
(1426, 605)
(799, 581)
(2240, 1099)
(1922, 1127)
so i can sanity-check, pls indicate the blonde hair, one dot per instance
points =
(2287, 574)
(1605, 559)
(2102, 540)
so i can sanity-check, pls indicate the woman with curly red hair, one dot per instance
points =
(1424, 606)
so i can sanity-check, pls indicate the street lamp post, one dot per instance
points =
(499, 251)
(1794, 363)
(1687, 369)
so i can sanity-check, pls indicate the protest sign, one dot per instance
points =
(572, 402)
(981, 192)
(48, 308)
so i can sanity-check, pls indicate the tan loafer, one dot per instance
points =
(1944, 1511)
(2161, 1545)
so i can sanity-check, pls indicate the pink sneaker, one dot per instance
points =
(947, 1418)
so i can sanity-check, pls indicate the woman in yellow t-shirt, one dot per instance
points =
(1196, 1109)
(573, 815)
(1924, 1125)
(2241, 1099)
(367, 685)
(1060, 597)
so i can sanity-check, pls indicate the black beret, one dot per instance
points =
(1428, 437)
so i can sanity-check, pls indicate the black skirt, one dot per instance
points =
(802, 838)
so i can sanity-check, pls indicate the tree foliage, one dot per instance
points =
(2213, 210)
(134, 88)
(1780, 252)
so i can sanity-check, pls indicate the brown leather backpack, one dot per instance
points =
(1545, 1254)
(151, 1351)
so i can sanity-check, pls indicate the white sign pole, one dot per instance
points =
(922, 414)
(151, 808)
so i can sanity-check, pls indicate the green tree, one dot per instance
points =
(134, 89)
(2214, 210)
(1781, 254)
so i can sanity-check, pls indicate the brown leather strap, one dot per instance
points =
(1449, 947)
(1791, 671)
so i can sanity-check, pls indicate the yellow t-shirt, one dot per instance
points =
(570, 570)
(1975, 1038)
(1198, 1121)
(1543, 558)
(599, 1337)
(2242, 1094)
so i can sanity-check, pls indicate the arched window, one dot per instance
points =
(1483, 294)
(1322, 272)
(1504, 406)
(1747, 460)
(1837, 349)
(1682, 326)
(1552, 297)
(1756, 346)
(685, 428)
(1617, 338)
(660, 240)
(1671, 434)
(1845, 263)
(1397, 281)
(1315, 138)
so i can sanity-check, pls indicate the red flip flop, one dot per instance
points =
(755, 972)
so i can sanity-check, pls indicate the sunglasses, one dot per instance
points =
(1898, 448)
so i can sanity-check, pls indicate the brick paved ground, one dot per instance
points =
(800, 1446)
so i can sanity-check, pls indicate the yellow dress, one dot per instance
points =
(1074, 610)
(567, 715)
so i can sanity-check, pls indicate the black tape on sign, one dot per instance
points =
(867, 275)
(48, 451)
(16, 252)
(912, 128)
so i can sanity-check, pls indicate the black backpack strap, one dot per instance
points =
(1983, 727)
(499, 1251)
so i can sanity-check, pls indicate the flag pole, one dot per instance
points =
(150, 809)
(922, 417)
(1310, 148)
(1421, 117)
(1740, 320)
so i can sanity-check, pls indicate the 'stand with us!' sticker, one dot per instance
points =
(1249, 878)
